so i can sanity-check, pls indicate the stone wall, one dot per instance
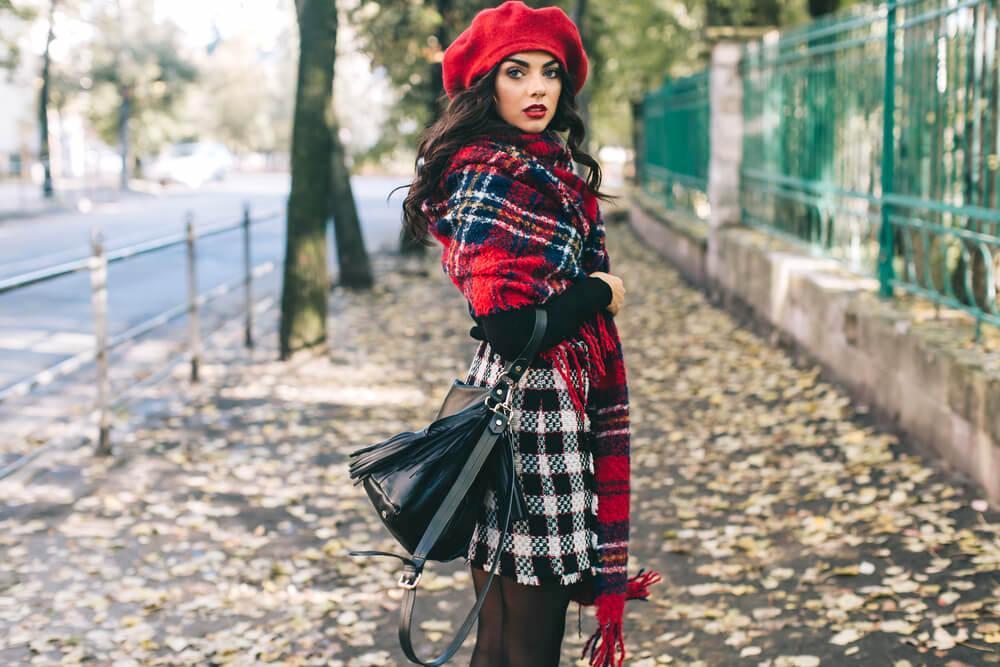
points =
(919, 377)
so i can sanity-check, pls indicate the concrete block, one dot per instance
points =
(988, 462)
(924, 419)
(684, 245)
(992, 406)
(966, 385)
(919, 361)
(878, 339)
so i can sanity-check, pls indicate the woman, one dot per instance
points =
(519, 229)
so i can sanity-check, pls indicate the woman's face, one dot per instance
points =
(525, 79)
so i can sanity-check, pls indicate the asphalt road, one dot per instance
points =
(43, 324)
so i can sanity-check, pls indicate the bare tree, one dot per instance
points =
(352, 259)
(306, 282)
(43, 108)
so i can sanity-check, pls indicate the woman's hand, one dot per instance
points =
(617, 290)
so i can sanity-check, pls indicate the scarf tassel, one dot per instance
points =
(562, 362)
(566, 360)
(638, 586)
(607, 645)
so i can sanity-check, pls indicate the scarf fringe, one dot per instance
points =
(607, 645)
(560, 360)
(638, 586)
(566, 358)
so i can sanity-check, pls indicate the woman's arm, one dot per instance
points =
(508, 331)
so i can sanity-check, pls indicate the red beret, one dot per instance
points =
(513, 26)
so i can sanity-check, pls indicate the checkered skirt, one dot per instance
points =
(554, 463)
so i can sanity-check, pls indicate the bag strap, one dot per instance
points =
(413, 566)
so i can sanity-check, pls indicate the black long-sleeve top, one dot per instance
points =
(508, 331)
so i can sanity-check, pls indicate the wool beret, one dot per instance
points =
(509, 28)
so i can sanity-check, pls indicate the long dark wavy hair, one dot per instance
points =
(470, 114)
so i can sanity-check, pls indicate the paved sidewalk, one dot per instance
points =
(789, 531)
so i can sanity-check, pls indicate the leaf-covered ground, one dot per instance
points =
(790, 532)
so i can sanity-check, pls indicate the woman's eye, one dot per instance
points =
(511, 72)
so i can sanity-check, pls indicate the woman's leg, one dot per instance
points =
(489, 629)
(534, 619)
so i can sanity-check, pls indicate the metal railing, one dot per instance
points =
(97, 265)
(674, 160)
(873, 136)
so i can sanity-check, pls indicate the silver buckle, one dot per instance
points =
(407, 584)
(498, 407)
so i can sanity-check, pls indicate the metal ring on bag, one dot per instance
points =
(505, 406)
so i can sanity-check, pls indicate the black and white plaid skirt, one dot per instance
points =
(555, 467)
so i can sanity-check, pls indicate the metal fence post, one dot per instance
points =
(248, 277)
(638, 141)
(99, 303)
(886, 252)
(193, 298)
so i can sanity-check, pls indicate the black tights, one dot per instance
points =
(519, 626)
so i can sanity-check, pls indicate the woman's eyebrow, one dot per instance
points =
(524, 63)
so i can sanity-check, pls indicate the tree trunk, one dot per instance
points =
(43, 110)
(305, 282)
(352, 258)
(123, 113)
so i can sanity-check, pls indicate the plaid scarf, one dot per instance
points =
(517, 226)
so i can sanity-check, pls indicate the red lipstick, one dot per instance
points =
(535, 111)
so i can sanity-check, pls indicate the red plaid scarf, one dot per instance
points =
(518, 226)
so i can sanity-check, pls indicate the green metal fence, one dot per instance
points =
(674, 162)
(873, 136)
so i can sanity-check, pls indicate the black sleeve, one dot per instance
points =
(508, 331)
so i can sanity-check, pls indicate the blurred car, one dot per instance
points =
(192, 163)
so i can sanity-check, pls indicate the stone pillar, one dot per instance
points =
(725, 147)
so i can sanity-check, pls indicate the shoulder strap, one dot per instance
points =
(511, 375)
